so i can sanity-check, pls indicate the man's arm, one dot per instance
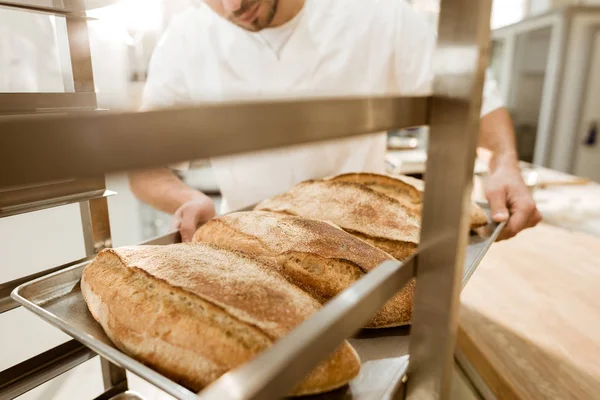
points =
(506, 191)
(161, 189)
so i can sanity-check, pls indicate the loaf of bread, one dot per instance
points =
(316, 256)
(195, 311)
(366, 213)
(407, 191)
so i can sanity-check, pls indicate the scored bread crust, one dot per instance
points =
(372, 216)
(316, 256)
(407, 191)
(406, 194)
(195, 311)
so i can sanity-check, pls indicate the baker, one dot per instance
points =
(232, 49)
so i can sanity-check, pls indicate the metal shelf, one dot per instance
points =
(85, 145)
(29, 374)
(90, 192)
(21, 103)
(48, 148)
(66, 7)
(19, 200)
(57, 298)
(7, 303)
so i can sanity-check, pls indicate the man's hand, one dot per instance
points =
(510, 200)
(506, 191)
(190, 215)
(163, 190)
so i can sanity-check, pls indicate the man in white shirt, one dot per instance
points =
(232, 49)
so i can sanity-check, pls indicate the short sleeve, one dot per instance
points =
(416, 40)
(166, 85)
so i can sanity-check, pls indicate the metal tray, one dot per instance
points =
(57, 299)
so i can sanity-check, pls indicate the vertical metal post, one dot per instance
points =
(94, 213)
(96, 234)
(112, 375)
(81, 57)
(459, 64)
(96, 225)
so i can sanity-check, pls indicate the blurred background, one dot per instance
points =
(545, 57)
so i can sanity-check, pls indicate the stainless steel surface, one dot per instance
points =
(462, 388)
(129, 395)
(112, 376)
(7, 303)
(94, 144)
(114, 392)
(479, 244)
(459, 66)
(39, 197)
(57, 299)
(275, 372)
(81, 57)
(22, 103)
(68, 7)
(90, 192)
(476, 380)
(96, 225)
(29, 374)
(90, 144)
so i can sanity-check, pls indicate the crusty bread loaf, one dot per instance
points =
(195, 311)
(316, 256)
(408, 191)
(368, 214)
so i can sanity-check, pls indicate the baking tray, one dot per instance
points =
(57, 299)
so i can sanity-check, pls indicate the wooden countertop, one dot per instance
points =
(530, 317)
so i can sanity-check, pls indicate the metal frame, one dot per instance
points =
(454, 125)
(275, 372)
(21, 103)
(90, 192)
(88, 145)
(29, 374)
(113, 142)
(7, 303)
(72, 8)
(20, 200)
(385, 350)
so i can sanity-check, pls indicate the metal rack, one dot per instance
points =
(89, 192)
(86, 144)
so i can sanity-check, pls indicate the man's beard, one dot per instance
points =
(260, 23)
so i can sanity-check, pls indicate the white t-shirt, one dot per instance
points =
(332, 47)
